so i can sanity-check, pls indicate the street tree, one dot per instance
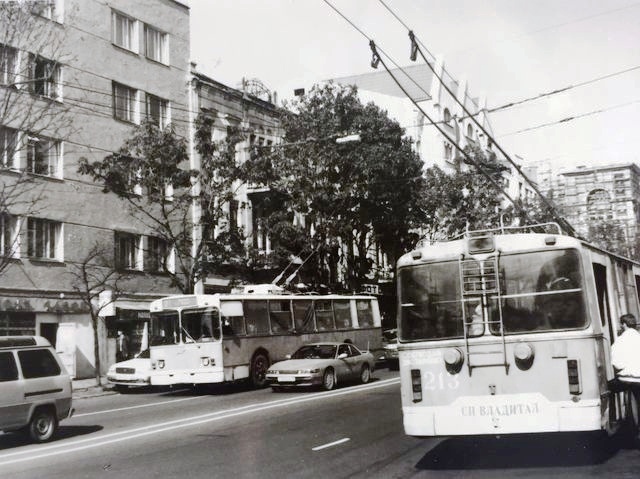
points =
(350, 197)
(98, 285)
(181, 206)
(469, 198)
(32, 121)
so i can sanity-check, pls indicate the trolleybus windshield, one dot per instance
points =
(539, 291)
(196, 325)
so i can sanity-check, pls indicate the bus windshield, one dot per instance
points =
(198, 325)
(539, 291)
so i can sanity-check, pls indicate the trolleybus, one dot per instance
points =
(206, 339)
(509, 331)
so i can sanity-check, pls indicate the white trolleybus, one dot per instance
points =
(205, 339)
(512, 333)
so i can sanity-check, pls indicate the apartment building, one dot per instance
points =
(77, 82)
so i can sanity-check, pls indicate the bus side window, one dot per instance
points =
(365, 314)
(280, 316)
(342, 309)
(324, 315)
(257, 316)
(303, 315)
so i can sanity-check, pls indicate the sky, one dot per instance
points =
(507, 50)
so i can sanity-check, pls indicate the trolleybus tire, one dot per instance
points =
(329, 379)
(259, 367)
(365, 374)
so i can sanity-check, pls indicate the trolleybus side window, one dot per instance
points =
(280, 316)
(365, 314)
(430, 304)
(303, 315)
(256, 315)
(324, 315)
(232, 318)
(342, 309)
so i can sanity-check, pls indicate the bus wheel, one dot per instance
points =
(259, 367)
(365, 374)
(329, 379)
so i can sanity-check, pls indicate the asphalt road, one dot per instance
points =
(355, 431)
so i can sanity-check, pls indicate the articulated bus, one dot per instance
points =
(508, 331)
(206, 339)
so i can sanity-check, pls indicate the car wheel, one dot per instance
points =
(259, 367)
(43, 425)
(329, 379)
(365, 374)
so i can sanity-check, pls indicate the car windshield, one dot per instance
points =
(316, 351)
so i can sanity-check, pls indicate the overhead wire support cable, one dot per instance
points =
(565, 224)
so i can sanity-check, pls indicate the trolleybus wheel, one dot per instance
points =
(365, 374)
(259, 367)
(329, 379)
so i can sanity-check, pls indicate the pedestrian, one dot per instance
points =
(625, 358)
(122, 347)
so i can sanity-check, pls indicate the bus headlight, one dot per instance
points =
(160, 363)
(523, 353)
(453, 360)
(205, 361)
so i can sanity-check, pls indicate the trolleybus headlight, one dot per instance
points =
(160, 363)
(523, 353)
(453, 360)
(416, 385)
(205, 361)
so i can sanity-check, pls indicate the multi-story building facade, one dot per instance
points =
(252, 110)
(602, 200)
(83, 76)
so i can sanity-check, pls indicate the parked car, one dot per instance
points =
(390, 348)
(134, 372)
(322, 364)
(35, 389)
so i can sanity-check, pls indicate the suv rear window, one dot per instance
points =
(8, 369)
(38, 363)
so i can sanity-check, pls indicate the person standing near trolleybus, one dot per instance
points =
(625, 357)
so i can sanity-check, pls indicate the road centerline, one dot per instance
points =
(331, 444)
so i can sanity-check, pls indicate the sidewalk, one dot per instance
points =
(86, 388)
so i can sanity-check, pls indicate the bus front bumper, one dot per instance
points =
(168, 378)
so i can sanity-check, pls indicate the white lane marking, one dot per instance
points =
(177, 424)
(120, 409)
(331, 444)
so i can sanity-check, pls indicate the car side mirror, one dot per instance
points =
(342, 355)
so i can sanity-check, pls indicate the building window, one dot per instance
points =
(125, 103)
(155, 44)
(9, 246)
(49, 9)
(448, 151)
(8, 144)
(124, 31)
(599, 206)
(159, 255)
(447, 116)
(45, 77)
(43, 156)
(44, 239)
(128, 251)
(157, 110)
(8, 64)
(470, 132)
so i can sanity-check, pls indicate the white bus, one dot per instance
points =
(512, 333)
(206, 339)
